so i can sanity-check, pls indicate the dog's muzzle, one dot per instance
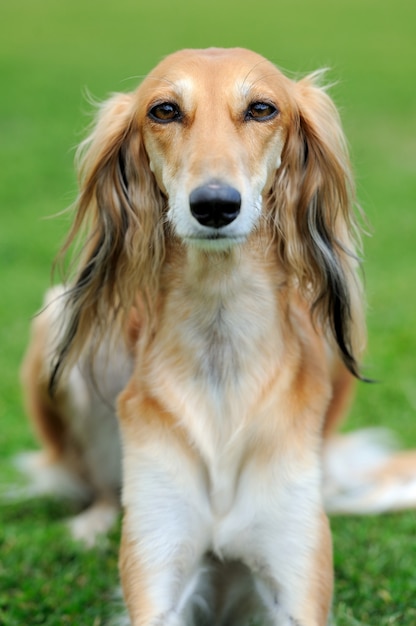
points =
(215, 204)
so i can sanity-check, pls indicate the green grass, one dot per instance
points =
(50, 52)
(47, 579)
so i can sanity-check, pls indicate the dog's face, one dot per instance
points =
(214, 127)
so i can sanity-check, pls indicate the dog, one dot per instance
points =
(217, 308)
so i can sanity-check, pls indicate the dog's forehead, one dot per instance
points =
(211, 59)
(222, 67)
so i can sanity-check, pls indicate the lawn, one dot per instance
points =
(51, 53)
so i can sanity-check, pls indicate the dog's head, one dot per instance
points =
(214, 125)
(212, 146)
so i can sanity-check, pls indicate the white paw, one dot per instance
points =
(95, 521)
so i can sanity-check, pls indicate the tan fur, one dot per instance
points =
(300, 390)
(44, 411)
(235, 340)
(76, 426)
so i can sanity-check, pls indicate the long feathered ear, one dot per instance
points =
(119, 213)
(313, 205)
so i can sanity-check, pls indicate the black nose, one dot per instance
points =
(215, 204)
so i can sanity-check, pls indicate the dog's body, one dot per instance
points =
(221, 262)
(81, 456)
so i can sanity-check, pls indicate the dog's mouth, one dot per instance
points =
(214, 241)
(214, 236)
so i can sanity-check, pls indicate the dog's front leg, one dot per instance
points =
(296, 579)
(283, 537)
(164, 535)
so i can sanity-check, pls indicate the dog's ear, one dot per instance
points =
(120, 208)
(313, 206)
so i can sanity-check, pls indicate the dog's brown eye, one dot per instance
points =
(165, 112)
(261, 111)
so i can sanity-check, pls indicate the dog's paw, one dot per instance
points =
(93, 523)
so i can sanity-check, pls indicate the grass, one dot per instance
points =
(50, 52)
(46, 579)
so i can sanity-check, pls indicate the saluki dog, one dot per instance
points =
(216, 307)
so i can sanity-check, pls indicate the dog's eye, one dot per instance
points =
(261, 111)
(165, 112)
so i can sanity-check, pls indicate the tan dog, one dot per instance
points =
(220, 258)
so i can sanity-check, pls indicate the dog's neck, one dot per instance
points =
(219, 313)
(217, 276)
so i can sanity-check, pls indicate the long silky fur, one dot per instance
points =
(121, 208)
(312, 206)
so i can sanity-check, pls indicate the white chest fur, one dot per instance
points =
(211, 361)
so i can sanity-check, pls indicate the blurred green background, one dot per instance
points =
(51, 53)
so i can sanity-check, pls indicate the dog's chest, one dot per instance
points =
(209, 369)
(218, 349)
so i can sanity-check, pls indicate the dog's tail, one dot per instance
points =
(365, 473)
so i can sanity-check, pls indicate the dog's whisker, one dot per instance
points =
(252, 69)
